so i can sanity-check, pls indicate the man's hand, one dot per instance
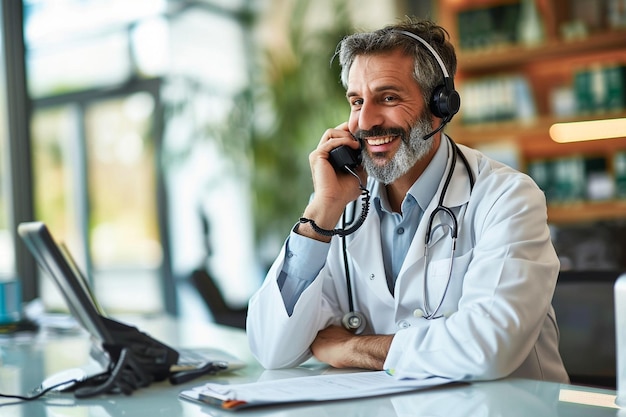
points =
(342, 349)
(333, 190)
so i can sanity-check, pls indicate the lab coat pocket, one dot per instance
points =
(444, 281)
(437, 279)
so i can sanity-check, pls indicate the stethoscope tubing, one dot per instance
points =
(354, 320)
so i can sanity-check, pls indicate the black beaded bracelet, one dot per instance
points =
(319, 230)
(365, 194)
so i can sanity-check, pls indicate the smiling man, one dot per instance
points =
(451, 273)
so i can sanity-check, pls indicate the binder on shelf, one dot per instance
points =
(582, 91)
(615, 78)
(619, 170)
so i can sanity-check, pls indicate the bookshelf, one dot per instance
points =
(573, 44)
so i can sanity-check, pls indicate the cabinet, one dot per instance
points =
(572, 39)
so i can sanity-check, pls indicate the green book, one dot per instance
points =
(619, 170)
(582, 91)
(615, 78)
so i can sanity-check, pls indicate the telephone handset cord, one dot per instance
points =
(365, 196)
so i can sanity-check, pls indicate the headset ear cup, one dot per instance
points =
(445, 103)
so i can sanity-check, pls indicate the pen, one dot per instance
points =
(208, 369)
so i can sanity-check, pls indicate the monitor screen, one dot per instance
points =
(50, 258)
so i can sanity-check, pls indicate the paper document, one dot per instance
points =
(308, 388)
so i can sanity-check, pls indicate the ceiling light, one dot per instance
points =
(588, 130)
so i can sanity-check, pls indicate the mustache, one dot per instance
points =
(380, 131)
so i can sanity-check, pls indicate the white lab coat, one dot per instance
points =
(498, 315)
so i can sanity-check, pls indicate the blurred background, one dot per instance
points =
(163, 138)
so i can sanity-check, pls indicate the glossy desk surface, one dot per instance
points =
(26, 360)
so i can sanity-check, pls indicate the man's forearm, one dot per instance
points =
(342, 349)
(370, 352)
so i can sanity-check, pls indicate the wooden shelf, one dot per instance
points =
(586, 212)
(502, 58)
(552, 65)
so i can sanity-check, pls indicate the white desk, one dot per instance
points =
(26, 360)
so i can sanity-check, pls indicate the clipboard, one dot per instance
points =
(326, 387)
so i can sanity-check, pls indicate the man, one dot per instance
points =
(474, 302)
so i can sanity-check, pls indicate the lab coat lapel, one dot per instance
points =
(416, 250)
(459, 189)
(366, 253)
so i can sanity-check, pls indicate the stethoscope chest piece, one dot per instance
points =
(353, 322)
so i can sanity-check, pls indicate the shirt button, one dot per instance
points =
(289, 254)
(403, 324)
(400, 230)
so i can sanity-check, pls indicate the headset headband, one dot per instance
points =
(434, 53)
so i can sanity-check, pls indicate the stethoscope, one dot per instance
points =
(355, 321)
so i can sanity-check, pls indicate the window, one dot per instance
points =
(125, 94)
(124, 235)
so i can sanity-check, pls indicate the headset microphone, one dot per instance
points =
(441, 126)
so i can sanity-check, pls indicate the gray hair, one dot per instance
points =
(426, 73)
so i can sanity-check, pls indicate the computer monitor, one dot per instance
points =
(50, 257)
(110, 336)
(584, 306)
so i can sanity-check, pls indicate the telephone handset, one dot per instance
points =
(344, 156)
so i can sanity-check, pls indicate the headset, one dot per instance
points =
(444, 103)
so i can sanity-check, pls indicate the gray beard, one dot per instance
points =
(409, 152)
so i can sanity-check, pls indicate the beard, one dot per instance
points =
(412, 149)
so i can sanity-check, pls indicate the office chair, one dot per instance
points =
(204, 283)
(220, 310)
(584, 306)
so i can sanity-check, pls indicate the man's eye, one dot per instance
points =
(357, 102)
(389, 98)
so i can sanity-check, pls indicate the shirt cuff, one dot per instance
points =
(304, 257)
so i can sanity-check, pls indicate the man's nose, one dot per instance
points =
(370, 116)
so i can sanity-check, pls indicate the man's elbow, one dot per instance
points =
(275, 361)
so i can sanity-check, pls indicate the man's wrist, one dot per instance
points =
(306, 230)
(371, 350)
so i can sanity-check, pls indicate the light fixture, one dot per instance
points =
(588, 130)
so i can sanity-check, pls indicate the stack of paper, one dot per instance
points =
(308, 388)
